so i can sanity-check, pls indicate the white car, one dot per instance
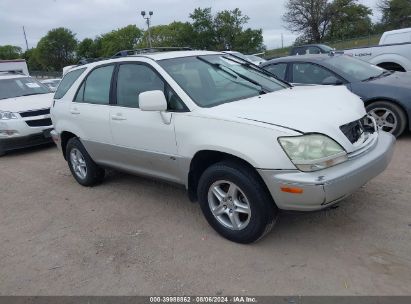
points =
(243, 143)
(24, 112)
(392, 53)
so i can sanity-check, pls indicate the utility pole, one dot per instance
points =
(150, 13)
(282, 40)
(25, 38)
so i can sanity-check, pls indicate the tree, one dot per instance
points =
(396, 14)
(349, 19)
(203, 28)
(87, 48)
(177, 34)
(311, 18)
(8, 52)
(32, 58)
(57, 49)
(125, 38)
(249, 41)
(228, 25)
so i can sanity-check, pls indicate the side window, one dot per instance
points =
(313, 50)
(278, 69)
(310, 73)
(67, 82)
(134, 79)
(96, 88)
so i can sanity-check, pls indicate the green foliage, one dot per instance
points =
(8, 52)
(396, 14)
(203, 29)
(177, 34)
(87, 48)
(125, 38)
(319, 20)
(56, 49)
(32, 59)
(350, 19)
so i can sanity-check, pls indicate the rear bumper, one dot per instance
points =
(323, 188)
(21, 142)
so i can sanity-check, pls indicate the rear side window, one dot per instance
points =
(278, 69)
(67, 82)
(96, 88)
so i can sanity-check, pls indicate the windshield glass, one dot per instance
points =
(22, 86)
(212, 80)
(356, 68)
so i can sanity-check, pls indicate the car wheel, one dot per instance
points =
(235, 202)
(84, 169)
(389, 117)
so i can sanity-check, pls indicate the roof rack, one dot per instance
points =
(14, 72)
(126, 53)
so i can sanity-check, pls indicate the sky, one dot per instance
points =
(89, 18)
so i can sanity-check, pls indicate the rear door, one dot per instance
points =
(144, 141)
(90, 111)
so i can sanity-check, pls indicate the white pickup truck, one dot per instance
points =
(392, 53)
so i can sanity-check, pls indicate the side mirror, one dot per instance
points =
(331, 80)
(152, 101)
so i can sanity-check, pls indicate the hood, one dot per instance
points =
(27, 103)
(395, 80)
(319, 109)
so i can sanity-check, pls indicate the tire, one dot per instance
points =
(225, 177)
(396, 121)
(85, 171)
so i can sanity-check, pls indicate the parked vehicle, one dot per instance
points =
(386, 94)
(242, 142)
(24, 112)
(52, 84)
(392, 53)
(311, 49)
(16, 66)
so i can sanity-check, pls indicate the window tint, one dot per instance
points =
(67, 82)
(278, 69)
(22, 86)
(96, 88)
(313, 50)
(134, 79)
(310, 73)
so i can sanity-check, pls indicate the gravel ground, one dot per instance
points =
(132, 235)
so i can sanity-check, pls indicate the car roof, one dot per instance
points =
(5, 75)
(156, 56)
(296, 58)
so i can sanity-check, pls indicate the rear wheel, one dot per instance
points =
(82, 167)
(389, 117)
(235, 203)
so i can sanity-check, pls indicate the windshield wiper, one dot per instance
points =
(385, 73)
(222, 67)
(255, 68)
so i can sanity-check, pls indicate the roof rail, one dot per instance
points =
(89, 60)
(18, 72)
(126, 53)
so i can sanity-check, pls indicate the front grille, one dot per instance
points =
(35, 113)
(39, 122)
(354, 130)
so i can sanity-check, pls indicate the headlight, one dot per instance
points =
(313, 152)
(7, 115)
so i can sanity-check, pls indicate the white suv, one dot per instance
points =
(24, 112)
(242, 142)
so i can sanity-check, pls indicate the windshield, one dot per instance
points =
(356, 68)
(212, 80)
(22, 86)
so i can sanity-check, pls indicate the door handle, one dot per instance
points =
(74, 111)
(118, 117)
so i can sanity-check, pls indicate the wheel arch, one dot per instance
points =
(65, 137)
(203, 159)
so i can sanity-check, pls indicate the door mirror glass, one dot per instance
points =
(152, 101)
(332, 80)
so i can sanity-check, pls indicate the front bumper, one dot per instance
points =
(323, 188)
(21, 142)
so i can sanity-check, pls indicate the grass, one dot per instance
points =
(339, 45)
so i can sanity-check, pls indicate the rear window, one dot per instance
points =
(67, 82)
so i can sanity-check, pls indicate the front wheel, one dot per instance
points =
(389, 117)
(235, 202)
(82, 167)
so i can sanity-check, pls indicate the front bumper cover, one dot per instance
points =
(323, 188)
(21, 142)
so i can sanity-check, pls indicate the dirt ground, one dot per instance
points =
(133, 236)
